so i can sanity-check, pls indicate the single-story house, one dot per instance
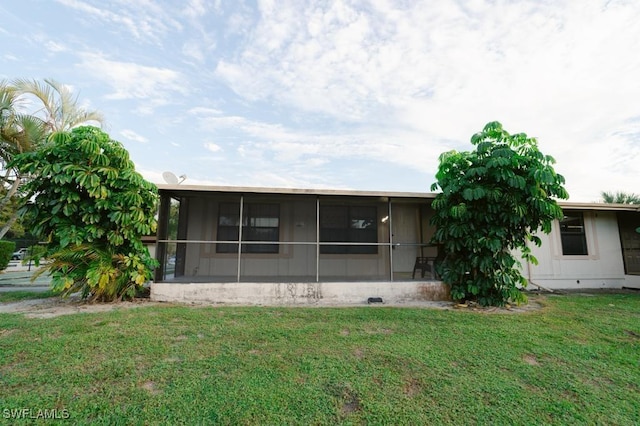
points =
(317, 246)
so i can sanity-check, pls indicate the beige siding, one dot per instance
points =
(601, 268)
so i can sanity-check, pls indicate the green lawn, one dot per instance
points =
(576, 361)
(15, 296)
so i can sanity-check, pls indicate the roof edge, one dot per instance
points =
(356, 193)
(292, 191)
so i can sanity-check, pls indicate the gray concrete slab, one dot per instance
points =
(22, 277)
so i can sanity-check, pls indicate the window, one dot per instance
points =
(260, 222)
(572, 234)
(348, 224)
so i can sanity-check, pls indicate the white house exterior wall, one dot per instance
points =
(294, 276)
(601, 268)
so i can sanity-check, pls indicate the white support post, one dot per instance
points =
(240, 235)
(390, 241)
(317, 239)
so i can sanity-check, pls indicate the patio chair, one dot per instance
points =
(423, 264)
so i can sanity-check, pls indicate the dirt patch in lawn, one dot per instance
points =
(56, 306)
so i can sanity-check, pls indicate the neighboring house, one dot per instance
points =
(280, 246)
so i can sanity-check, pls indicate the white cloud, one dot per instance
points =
(204, 111)
(200, 28)
(197, 9)
(321, 88)
(347, 62)
(144, 19)
(193, 50)
(433, 74)
(212, 147)
(55, 47)
(132, 135)
(153, 85)
(283, 145)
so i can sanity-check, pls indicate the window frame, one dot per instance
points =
(570, 240)
(348, 224)
(256, 219)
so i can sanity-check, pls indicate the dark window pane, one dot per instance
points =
(229, 214)
(260, 222)
(348, 224)
(260, 248)
(335, 217)
(363, 249)
(228, 221)
(572, 234)
(363, 217)
(226, 248)
(260, 234)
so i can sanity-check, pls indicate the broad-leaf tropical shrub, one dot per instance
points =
(92, 208)
(493, 201)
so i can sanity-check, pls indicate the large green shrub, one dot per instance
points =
(92, 208)
(493, 201)
(6, 250)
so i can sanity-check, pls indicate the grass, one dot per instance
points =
(576, 361)
(16, 296)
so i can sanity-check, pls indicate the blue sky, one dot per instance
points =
(346, 94)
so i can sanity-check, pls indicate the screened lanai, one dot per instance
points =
(225, 235)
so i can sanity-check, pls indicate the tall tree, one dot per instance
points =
(89, 203)
(19, 132)
(493, 200)
(620, 197)
(32, 111)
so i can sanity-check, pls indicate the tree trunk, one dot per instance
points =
(10, 193)
(9, 224)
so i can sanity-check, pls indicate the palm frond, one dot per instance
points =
(620, 197)
(60, 108)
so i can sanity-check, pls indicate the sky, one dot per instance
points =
(361, 95)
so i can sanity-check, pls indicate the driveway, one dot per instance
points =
(18, 277)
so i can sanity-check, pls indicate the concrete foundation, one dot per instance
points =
(587, 283)
(632, 281)
(279, 294)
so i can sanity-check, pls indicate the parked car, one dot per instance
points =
(19, 255)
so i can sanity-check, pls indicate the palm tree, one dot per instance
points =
(18, 133)
(23, 128)
(620, 198)
(60, 109)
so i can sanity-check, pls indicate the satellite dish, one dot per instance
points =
(170, 178)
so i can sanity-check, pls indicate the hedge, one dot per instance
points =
(6, 250)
